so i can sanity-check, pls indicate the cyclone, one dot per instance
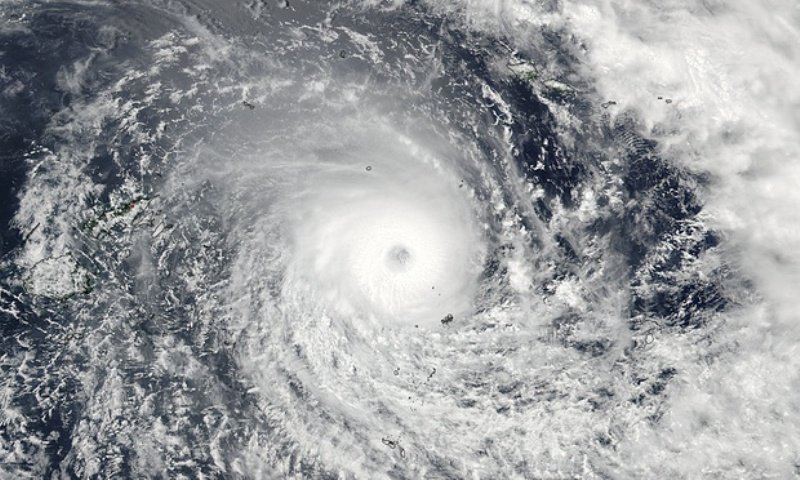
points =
(398, 239)
(377, 231)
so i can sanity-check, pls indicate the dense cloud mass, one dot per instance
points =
(399, 239)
